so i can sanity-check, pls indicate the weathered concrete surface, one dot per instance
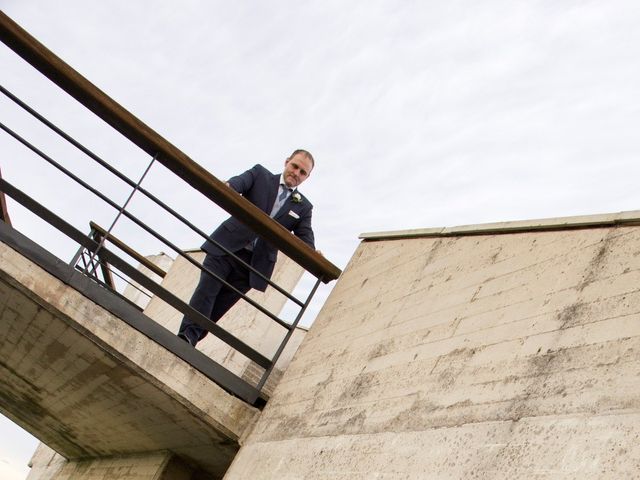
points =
(137, 293)
(510, 356)
(89, 385)
(45, 463)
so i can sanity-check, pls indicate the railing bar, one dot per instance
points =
(106, 272)
(124, 206)
(104, 285)
(87, 262)
(130, 182)
(128, 282)
(99, 231)
(286, 338)
(4, 213)
(133, 273)
(78, 255)
(124, 279)
(84, 259)
(142, 225)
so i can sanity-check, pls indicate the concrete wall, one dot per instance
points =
(498, 356)
(152, 466)
(140, 295)
(45, 463)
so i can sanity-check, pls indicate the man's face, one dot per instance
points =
(296, 170)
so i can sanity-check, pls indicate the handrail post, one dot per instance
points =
(78, 254)
(104, 265)
(4, 213)
(123, 207)
(286, 338)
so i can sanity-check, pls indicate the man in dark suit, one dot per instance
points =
(277, 196)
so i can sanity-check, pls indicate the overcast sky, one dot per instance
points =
(419, 114)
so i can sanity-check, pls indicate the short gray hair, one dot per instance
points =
(306, 154)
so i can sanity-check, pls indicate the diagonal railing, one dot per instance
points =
(187, 170)
(155, 145)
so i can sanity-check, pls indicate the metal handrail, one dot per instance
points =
(136, 186)
(167, 154)
(142, 225)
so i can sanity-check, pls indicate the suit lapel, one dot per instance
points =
(286, 206)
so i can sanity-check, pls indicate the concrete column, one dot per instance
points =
(153, 466)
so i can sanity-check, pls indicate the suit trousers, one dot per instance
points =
(211, 297)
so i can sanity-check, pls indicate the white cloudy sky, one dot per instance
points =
(419, 114)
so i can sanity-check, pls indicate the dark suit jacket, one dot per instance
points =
(260, 187)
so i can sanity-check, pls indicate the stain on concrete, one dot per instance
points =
(414, 417)
(382, 348)
(54, 351)
(26, 402)
(433, 251)
(475, 294)
(354, 424)
(597, 262)
(290, 426)
(572, 315)
(525, 405)
(359, 387)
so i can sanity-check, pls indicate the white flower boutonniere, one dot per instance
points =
(296, 197)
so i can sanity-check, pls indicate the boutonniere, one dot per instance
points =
(296, 197)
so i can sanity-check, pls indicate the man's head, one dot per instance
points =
(297, 168)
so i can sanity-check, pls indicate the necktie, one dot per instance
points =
(284, 193)
(277, 205)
